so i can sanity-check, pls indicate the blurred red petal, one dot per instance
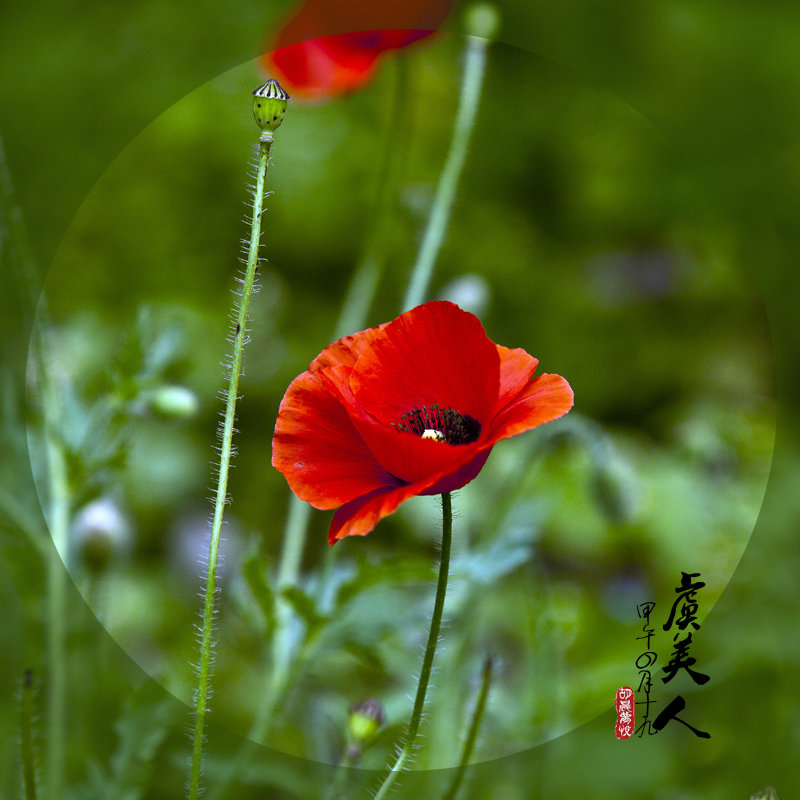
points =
(320, 68)
(330, 47)
(342, 16)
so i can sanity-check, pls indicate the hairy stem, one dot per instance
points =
(472, 733)
(471, 83)
(430, 651)
(226, 450)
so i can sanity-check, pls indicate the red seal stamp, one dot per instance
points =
(626, 713)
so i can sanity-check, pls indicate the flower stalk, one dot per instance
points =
(430, 650)
(474, 726)
(59, 520)
(469, 98)
(268, 108)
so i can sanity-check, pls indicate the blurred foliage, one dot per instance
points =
(622, 256)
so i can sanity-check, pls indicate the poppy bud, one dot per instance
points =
(482, 19)
(269, 105)
(363, 724)
(100, 533)
(174, 402)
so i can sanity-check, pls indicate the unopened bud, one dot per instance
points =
(364, 722)
(100, 533)
(269, 105)
(482, 19)
(176, 402)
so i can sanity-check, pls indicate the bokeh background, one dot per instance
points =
(624, 215)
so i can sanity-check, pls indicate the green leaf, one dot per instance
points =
(143, 725)
(257, 578)
(398, 571)
(305, 606)
(368, 655)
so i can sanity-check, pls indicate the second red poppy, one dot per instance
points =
(330, 47)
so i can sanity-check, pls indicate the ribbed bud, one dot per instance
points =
(269, 105)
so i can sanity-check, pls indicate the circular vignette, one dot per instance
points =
(592, 255)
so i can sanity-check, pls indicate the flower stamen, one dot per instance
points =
(440, 424)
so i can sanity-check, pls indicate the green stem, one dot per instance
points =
(367, 274)
(26, 737)
(430, 650)
(472, 734)
(56, 606)
(471, 83)
(12, 224)
(58, 519)
(341, 778)
(240, 334)
(58, 487)
(24, 521)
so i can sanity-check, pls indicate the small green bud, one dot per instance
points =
(269, 105)
(366, 719)
(174, 402)
(482, 19)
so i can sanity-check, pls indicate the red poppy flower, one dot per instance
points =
(410, 407)
(333, 46)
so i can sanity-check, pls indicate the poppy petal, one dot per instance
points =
(406, 456)
(360, 516)
(316, 447)
(345, 351)
(544, 399)
(434, 354)
(516, 369)
(462, 476)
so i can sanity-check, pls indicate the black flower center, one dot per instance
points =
(440, 424)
